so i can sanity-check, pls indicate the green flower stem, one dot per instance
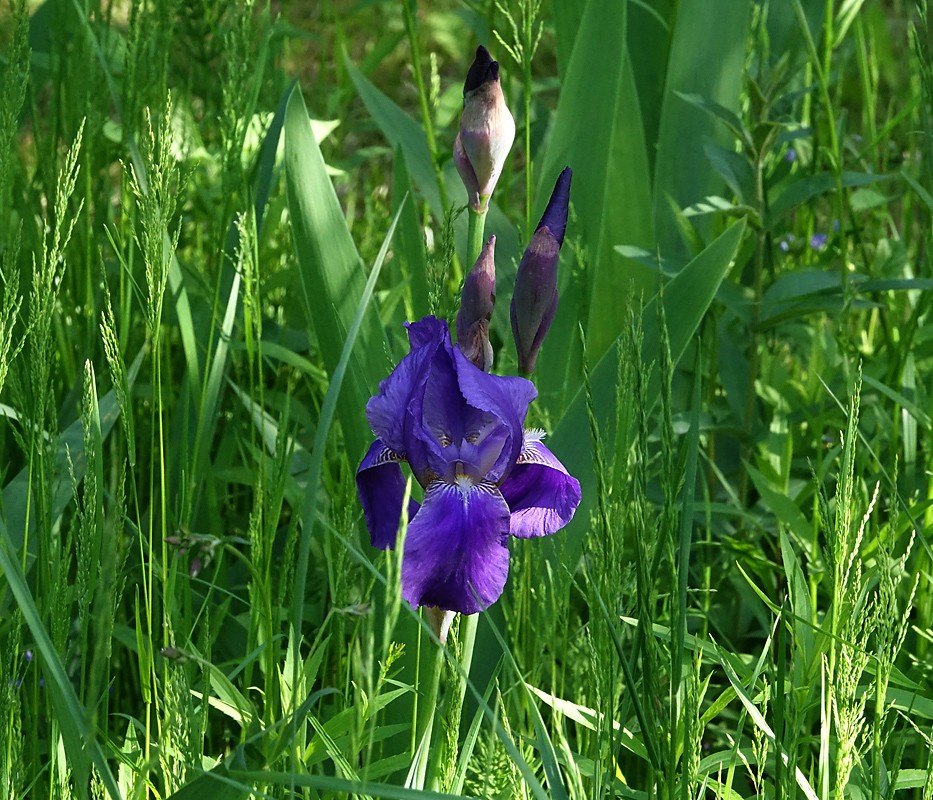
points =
(527, 52)
(475, 240)
(441, 763)
(466, 660)
(423, 97)
(426, 717)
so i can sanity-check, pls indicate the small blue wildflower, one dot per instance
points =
(790, 155)
(818, 241)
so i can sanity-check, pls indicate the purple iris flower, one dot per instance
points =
(484, 476)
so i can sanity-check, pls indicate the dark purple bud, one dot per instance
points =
(555, 215)
(482, 69)
(534, 301)
(476, 306)
(487, 131)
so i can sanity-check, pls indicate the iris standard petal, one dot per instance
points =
(505, 398)
(456, 547)
(386, 411)
(541, 494)
(427, 331)
(381, 488)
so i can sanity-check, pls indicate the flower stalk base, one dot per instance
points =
(475, 233)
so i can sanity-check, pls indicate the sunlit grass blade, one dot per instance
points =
(411, 239)
(401, 131)
(332, 277)
(81, 745)
(16, 494)
(328, 410)
(763, 726)
(265, 166)
(328, 784)
(543, 741)
(598, 133)
(682, 170)
(686, 299)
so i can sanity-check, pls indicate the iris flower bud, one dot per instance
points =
(534, 301)
(487, 131)
(476, 305)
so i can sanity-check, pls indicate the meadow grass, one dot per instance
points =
(216, 218)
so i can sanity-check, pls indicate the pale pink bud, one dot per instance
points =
(487, 130)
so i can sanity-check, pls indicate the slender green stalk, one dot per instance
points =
(423, 732)
(423, 101)
(476, 231)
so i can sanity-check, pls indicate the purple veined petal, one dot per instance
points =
(456, 555)
(381, 488)
(541, 494)
(427, 331)
(386, 410)
(435, 419)
(506, 398)
(442, 421)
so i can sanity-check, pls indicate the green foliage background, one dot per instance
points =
(216, 217)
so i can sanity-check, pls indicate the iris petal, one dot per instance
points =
(386, 411)
(541, 494)
(505, 398)
(381, 487)
(456, 546)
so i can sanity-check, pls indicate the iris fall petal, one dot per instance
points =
(541, 494)
(456, 546)
(381, 488)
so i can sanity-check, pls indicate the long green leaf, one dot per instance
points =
(16, 494)
(328, 411)
(598, 133)
(81, 745)
(686, 299)
(682, 170)
(332, 275)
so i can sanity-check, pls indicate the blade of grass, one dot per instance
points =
(16, 494)
(81, 745)
(544, 744)
(328, 411)
(598, 133)
(763, 726)
(686, 299)
(682, 170)
(332, 276)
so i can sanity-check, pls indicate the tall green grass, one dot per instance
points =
(216, 217)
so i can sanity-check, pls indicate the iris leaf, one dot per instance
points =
(331, 274)
(682, 169)
(686, 299)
